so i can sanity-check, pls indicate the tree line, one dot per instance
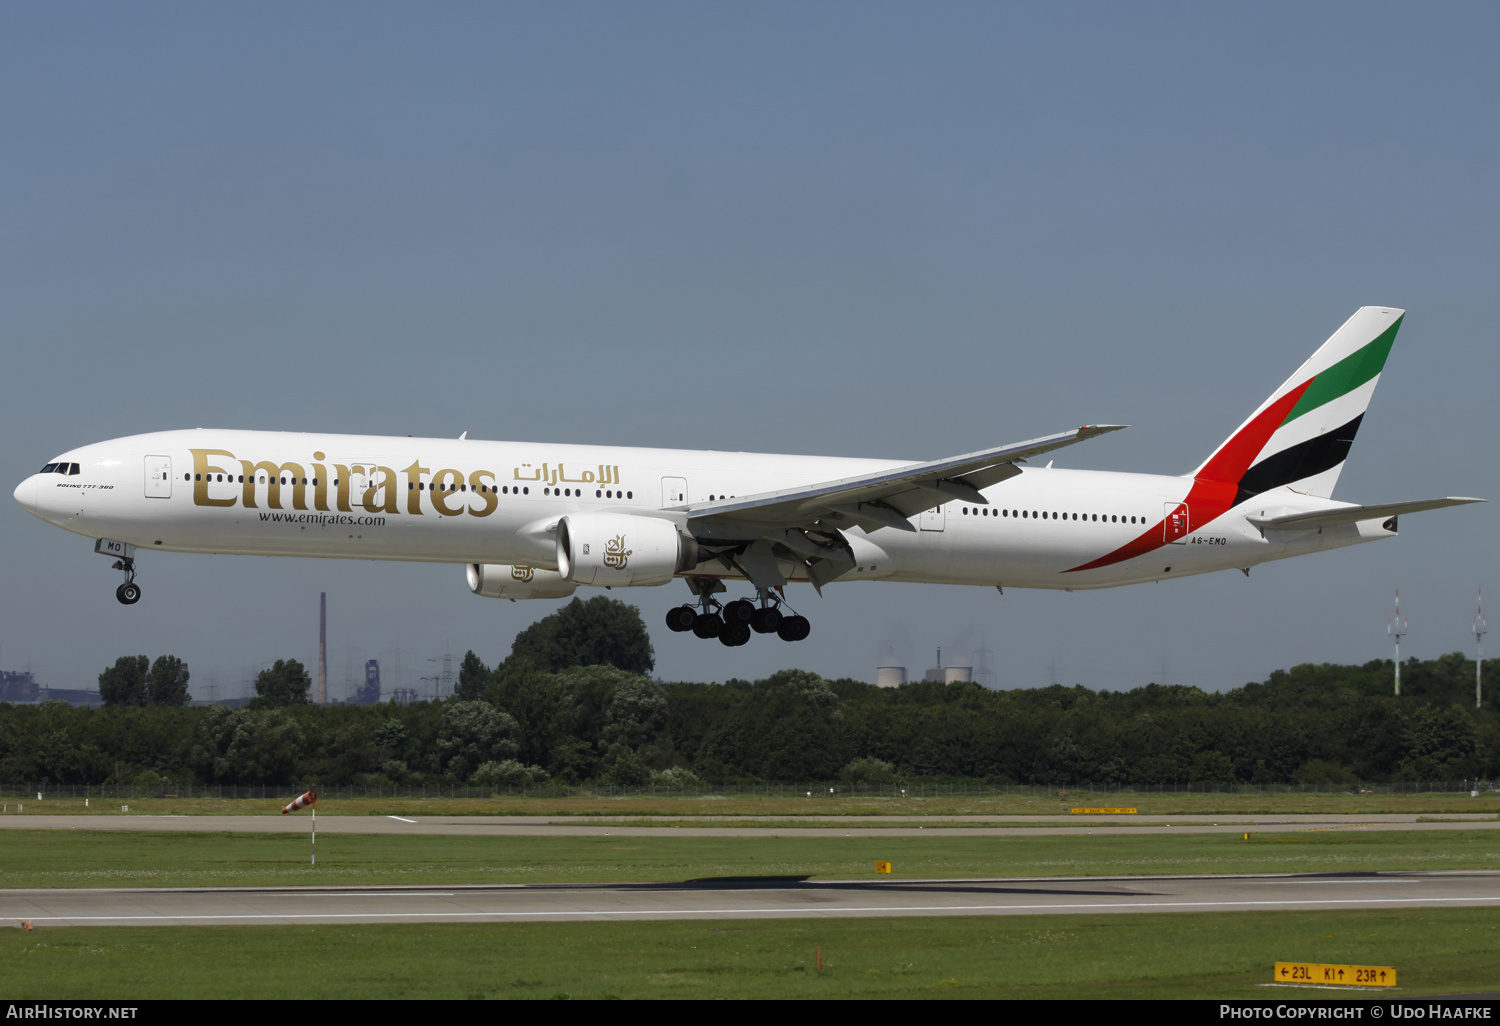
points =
(572, 703)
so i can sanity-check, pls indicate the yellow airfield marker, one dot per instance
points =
(1335, 975)
(1103, 812)
(882, 867)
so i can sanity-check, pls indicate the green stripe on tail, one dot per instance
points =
(1348, 374)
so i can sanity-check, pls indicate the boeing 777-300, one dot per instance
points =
(536, 520)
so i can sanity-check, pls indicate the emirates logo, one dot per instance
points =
(521, 573)
(616, 555)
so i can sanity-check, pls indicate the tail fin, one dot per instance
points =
(1301, 435)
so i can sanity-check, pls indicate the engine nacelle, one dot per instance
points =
(501, 580)
(618, 550)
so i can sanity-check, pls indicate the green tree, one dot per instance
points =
(125, 683)
(285, 683)
(474, 733)
(392, 734)
(168, 681)
(599, 632)
(473, 677)
(636, 711)
(249, 746)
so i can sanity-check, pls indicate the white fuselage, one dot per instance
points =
(470, 501)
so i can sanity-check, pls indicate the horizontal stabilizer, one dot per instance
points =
(1353, 514)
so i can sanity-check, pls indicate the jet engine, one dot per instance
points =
(501, 580)
(619, 550)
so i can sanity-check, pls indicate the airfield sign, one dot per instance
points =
(1336, 975)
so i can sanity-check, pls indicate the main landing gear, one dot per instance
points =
(128, 593)
(732, 623)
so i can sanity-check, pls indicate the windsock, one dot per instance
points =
(302, 802)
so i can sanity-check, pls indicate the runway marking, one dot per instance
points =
(402, 818)
(1324, 883)
(363, 894)
(773, 911)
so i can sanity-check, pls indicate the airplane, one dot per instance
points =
(532, 520)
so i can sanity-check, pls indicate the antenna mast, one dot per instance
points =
(1396, 628)
(1479, 632)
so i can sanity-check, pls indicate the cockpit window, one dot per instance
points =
(73, 468)
(49, 468)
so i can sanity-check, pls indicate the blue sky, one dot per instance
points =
(890, 230)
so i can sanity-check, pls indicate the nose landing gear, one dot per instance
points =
(128, 593)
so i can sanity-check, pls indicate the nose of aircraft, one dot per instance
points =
(26, 494)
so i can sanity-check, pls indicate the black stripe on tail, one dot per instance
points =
(1302, 460)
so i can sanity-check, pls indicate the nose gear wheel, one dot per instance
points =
(128, 593)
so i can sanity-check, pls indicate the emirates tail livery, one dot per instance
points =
(534, 520)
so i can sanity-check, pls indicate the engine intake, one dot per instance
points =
(618, 550)
(501, 580)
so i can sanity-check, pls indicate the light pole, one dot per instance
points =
(1396, 628)
(1479, 633)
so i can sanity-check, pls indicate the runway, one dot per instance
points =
(745, 899)
(748, 826)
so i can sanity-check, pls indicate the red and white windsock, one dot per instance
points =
(302, 802)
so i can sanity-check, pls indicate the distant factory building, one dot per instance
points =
(953, 674)
(17, 686)
(369, 691)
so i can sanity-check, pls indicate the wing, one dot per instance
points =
(804, 522)
(884, 497)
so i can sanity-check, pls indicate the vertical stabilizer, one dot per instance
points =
(1300, 436)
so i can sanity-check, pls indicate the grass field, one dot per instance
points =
(84, 858)
(1185, 955)
(1148, 803)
